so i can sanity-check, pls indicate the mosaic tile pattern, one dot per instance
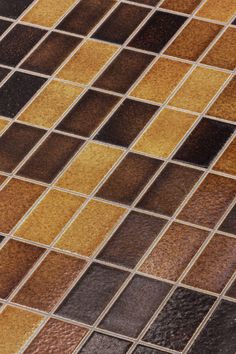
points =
(117, 176)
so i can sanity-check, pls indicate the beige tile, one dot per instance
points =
(220, 10)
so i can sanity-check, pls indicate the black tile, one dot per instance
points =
(157, 31)
(126, 123)
(92, 293)
(234, 22)
(141, 349)
(219, 334)
(17, 91)
(1, 238)
(229, 223)
(3, 73)
(178, 320)
(4, 25)
(13, 8)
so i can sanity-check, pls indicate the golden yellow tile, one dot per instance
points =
(50, 104)
(220, 10)
(50, 215)
(160, 80)
(47, 12)
(89, 167)
(3, 124)
(199, 89)
(87, 61)
(165, 133)
(90, 227)
(17, 325)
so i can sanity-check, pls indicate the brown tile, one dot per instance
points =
(174, 251)
(47, 57)
(4, 26)
(169, 189)
(17, 258)
(232, 290)
(3, 124)
(210, 201)
(13, 9)
(129, 178)
(222, 54)
(2, 179)
(227, 161)
(49, 281)
(15, 200)
(3, 71)
(220, 10)
(186, 6)
(56, 337)
(229, 223)
(50, 157)
(146, 2)
(215, 266)
(193, 40)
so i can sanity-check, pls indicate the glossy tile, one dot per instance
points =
(229, 223)
(220, 10)
(13, 9)
(185, 6)
(227, 161)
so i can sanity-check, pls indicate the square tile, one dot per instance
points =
(4, 26)
(3, 73)
(227, 161)
(3, 124)
(220, 10)
(146, 2)
(229, 223)
(13, 9)
(185, 6)
(141, 349)
(232, 290)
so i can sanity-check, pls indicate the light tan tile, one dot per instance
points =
(220, 10)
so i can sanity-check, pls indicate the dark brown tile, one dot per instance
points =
(129, 178)
(18, 42)
(210, 201)
(47, 57)
(132, 239)
(169, 189)
(88, 113)
(85, 16)
(123, 71)
(214, 267)
(227, 161)
(126, 123)
(147, 2)
(232, 290)
(92, 293)
(179, 319)
(15, 144)
(218, 336)
(141, 349)
(125, 317)
(186, 6)
(229, 223)
(56, 337)
(13, 9)
(16, 259)
(17, 91)
(50, 157)
(4, 25)
(3, 73)
(2, 238)
(157, 31)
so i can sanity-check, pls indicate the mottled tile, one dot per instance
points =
(227, 161)
(220, 10)
(3, 73)
(13, 9)
(4, 25)
(146, 2)
(185, 6)
(232, 290)
(141, 349)
(229, 223)
(3, 124)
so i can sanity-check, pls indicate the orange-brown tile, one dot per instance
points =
(220, 10)
(227, 161)
(186, 6)
(3, 124)
(2, 179)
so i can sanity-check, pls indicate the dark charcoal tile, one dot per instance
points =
(88, 113)
(50, 157)
(219, 335)
(123, 71)
(146, 2)
(129, 178)
(179, 319)
(126, 123)
(13, 9)
(157, 31)
(132, 239)
(1, 238)
(15, 143)
(204, 143)
(234, 22)
(4, 25)
(133, 309)
(100, 343)
(17, 43)
(169, 189)
(141, 349)
(47, 57)
(229, 223)
(232, 290)
(85, 16)
(92, 293)
(121, 23)
(17, 91)
(3, 73)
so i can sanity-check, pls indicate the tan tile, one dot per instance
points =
(89, 167)
(199, 89)
(160, 80)
(51, 103)
(90, 228)
(3, 124)
(165, 132)
(227, 161)
(220, 10)
(186, 6)
(87, 61)
(49, 216)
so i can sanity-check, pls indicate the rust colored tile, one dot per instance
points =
(16, 259)
(48, 56)
(186, 6)
(160, 80)
(56, 337)
(232, 290)
(13, 9)
(193, 40)
(50, 104)
(89, 168)
(227, 161)
(129, 178)
(90, 228)
(220, 10)
(87, 62)
(174, 251)
(50, 157)
(229, 223)
(165, 133)
(210, 201)
(169, 189)
(15, 200)
(215, 266)
(49, 281)
(17, 325)
(49, 216)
